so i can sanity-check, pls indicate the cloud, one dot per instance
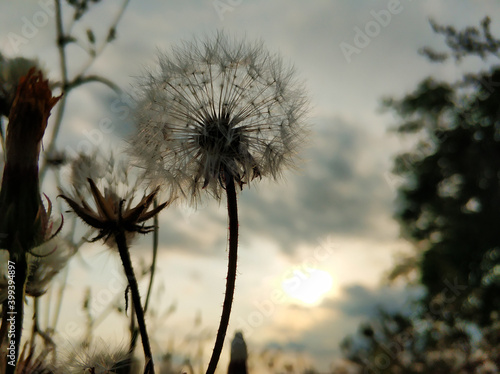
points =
(340, 190)
(357, 303)
(361, 301)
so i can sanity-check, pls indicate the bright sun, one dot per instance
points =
(308, 286)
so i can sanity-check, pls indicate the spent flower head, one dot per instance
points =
(215, 109)
(24, 217)
(112, 207)
(112, 174)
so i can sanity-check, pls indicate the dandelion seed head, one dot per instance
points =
(114, 176)
(96, 358)
(104, 195)
(218, 108)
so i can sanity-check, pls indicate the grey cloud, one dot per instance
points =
(360, 301)
(340, 190)
(357, 304)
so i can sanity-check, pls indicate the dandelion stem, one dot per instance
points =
(136, 298)
(134, 331)
(232, 209)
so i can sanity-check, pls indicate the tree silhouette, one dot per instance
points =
(449, 205)
(449, 208)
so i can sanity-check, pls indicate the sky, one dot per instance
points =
(327, 226)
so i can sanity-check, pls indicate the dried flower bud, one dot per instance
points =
(23, 217)
(11, 72)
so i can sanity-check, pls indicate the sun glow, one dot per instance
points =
(309, 286)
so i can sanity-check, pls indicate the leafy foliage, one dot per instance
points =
(451, 201)
(448, 207)
(399, 344)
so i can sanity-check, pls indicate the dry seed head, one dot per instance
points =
(105, 201)
(111, 174)
(96, 358)
(216, 108)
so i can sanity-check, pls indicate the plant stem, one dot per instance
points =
(155, 255)
(134, 331)
(61, 48)
(232, 209)
(121, 242)
(34, 326)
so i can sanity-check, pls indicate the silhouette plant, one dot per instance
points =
(216, 114)
(117, 223)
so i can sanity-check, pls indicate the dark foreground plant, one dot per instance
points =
(117, 223)
(24, 223)
(216, 115)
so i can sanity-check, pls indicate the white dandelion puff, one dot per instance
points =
(96, 358)
(218, 107)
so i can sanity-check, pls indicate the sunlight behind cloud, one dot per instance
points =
(308, 286)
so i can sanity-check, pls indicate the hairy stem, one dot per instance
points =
(232, 209)
(136, 298)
